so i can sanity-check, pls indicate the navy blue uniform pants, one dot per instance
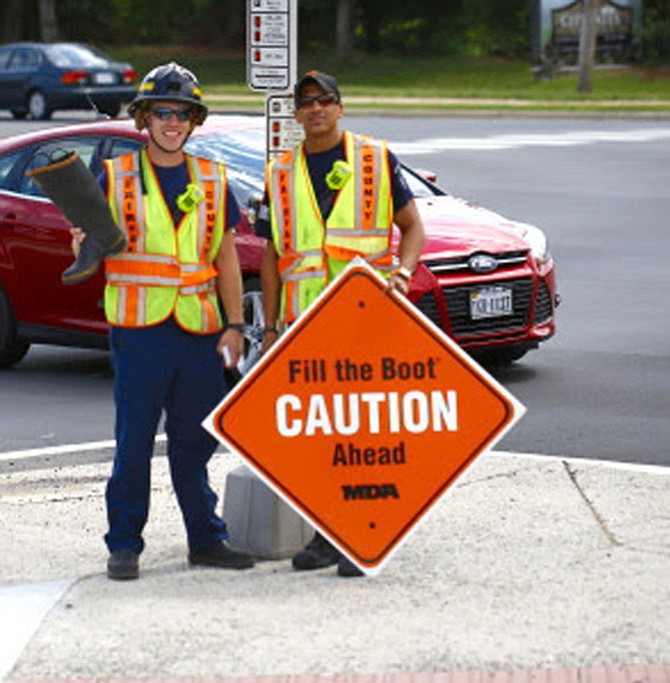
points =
(156, 369)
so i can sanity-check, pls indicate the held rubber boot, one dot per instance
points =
(76, 192)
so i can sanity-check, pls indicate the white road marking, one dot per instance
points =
(511, 141)
(46, 451)
(591, 462)
(94, 445)
(23, 607)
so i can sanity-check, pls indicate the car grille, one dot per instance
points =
(458, 305)
(543, 308)
(460, 264)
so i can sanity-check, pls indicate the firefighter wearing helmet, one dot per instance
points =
(167, 332)
(170, 82)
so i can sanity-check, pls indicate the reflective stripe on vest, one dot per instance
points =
(158, 270)
(131, 216)
(360, 222)
(164, 270)
(294, 264)
(205, 176)
(369, 236)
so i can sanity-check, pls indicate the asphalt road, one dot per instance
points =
(599, 389)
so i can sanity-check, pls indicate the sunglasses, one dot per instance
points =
(324, 99)
(165, 113)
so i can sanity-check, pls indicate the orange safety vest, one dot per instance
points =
(166, 269)
(312, 252)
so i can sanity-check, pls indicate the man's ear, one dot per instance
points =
(144, 118)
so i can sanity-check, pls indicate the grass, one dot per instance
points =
(224, 73)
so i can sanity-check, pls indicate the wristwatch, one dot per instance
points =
(405, 273)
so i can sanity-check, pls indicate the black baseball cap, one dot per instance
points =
(325, 81)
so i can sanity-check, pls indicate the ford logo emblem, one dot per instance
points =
(482, 263)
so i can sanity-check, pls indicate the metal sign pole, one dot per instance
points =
(272, 58)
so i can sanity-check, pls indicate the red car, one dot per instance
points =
(486, 281)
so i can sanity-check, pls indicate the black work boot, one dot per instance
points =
(317, 554)
(76, 192)
(222, 556)
(123, 565)
(91, 251)
(345, 567)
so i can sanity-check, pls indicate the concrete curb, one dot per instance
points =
(634, 673)
(452, 106)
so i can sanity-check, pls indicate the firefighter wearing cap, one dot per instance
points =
(334, 197)
(167, 335)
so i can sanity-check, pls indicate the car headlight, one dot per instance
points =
(539, 245)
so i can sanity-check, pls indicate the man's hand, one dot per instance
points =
(232, 341)
(399, 280)
(398, 283)
(270, 336)
(78, 236)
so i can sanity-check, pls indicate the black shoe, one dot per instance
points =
(345, 567)
(123, 565)
(221, 555)
(317, 554)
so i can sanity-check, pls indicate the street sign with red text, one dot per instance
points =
(271, 44)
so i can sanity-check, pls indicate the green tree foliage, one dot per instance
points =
(409, 26)
(417, 27)
(496, 28)
(656, 32)
(123, 22)
(400, 27)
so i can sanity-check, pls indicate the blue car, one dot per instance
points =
(36, 79)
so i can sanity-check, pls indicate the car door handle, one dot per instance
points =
(10, 220)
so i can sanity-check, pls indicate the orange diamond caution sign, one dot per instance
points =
(363, 415)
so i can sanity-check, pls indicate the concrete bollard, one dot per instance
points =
(259, 521)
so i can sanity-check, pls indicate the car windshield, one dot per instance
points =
(68, 56)
(241, 152)
(419, 186)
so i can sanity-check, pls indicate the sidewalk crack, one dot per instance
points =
(572, 473)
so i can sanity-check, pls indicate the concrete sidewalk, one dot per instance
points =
(532, 567)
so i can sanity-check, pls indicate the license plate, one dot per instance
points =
(491, 302)
(104, 78)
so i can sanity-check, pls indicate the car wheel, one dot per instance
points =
(19, 113)
(12, 350)
(38, 107)
(254, 321)
(13, 354)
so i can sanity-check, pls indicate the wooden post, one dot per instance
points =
(343, 30)
(587, 45)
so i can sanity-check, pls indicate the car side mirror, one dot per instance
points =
(430, 176)
(253, 207)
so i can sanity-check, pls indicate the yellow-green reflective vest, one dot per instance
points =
(312, 253)
(166, 269)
